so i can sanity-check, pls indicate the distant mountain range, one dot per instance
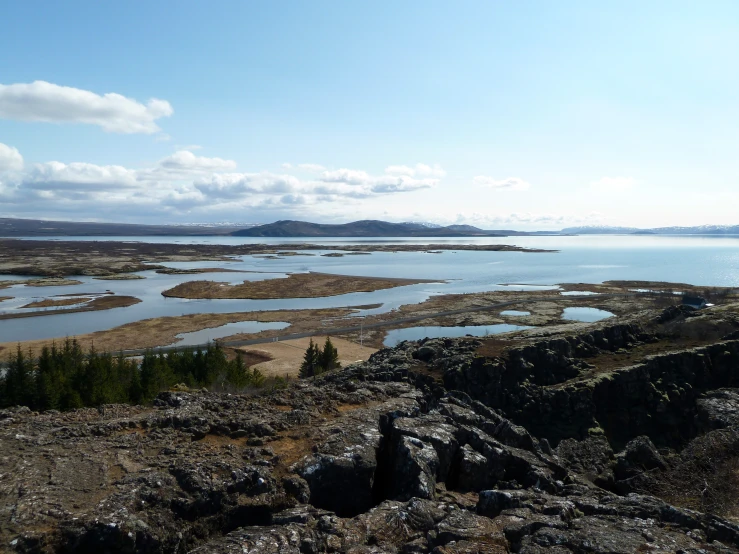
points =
(698, 230)
(10, 227)
(365, 228)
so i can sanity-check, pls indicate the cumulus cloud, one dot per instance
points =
(519, 219)
(115, 113)
(233, 185)
(10, 158)
(613, 183)
(79, 176)
(185, 160)
(348, 176)
(509, 183)
(379, 184)
(182, 183)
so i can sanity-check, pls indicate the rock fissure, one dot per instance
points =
(622, 438)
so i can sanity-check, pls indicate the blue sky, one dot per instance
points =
(529, 115)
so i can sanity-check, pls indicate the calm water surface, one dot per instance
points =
(396, 336)
(711, 261)
(587, 315)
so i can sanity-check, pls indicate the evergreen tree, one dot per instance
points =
(19, 380)
(237, 374)
(49, 381)
(329, 356)
(311, 359)
(135, 390)
(256, 378)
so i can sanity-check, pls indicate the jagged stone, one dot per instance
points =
(382, 458)
(639, 455)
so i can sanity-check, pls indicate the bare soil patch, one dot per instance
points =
(296, 285)
(285, 357)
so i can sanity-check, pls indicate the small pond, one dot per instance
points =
(587, 315)
(206, 335)
(417, 333)
(578, 293)
(514, 312)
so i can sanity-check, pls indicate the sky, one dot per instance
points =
(505, 115)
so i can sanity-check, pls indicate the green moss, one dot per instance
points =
(596, 432)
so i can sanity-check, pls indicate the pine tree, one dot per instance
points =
(329, 357)
(49, 383)
(237, 374)
(256, 377)
(310, 365)
(19, 381)
(135, 390)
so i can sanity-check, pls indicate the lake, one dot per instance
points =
(710, 261)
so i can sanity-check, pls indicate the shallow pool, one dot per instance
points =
(586, 315)
(206, 335)
(417, 333)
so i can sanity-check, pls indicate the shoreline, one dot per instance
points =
(452, 310)
(98, 304)
(106, 258)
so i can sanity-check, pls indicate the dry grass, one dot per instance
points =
(705, 476)
(284, 357)
(296, 285)
(46, 282)
(100, 303)
(162, 331)
(52, 303)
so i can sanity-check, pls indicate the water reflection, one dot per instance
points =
(417, 333)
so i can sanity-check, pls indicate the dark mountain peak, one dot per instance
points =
(362, 228)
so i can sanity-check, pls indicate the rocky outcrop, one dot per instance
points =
(428, 447)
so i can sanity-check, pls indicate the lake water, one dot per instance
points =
(711, 261)
(587, 315)
(396, 336)
(204, 335)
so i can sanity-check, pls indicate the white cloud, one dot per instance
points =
(79, 176)
(420, 170)
(381, 184)
(183, 183)
(42, 101)
(510, 183)
(10, 158)
(348, 176)
(185, 160)
(613, 183)
(234, 185)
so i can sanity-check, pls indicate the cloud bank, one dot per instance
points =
(114, 113)
(184, 183)
(10, 158)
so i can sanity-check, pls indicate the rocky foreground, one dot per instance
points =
(606, 439)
